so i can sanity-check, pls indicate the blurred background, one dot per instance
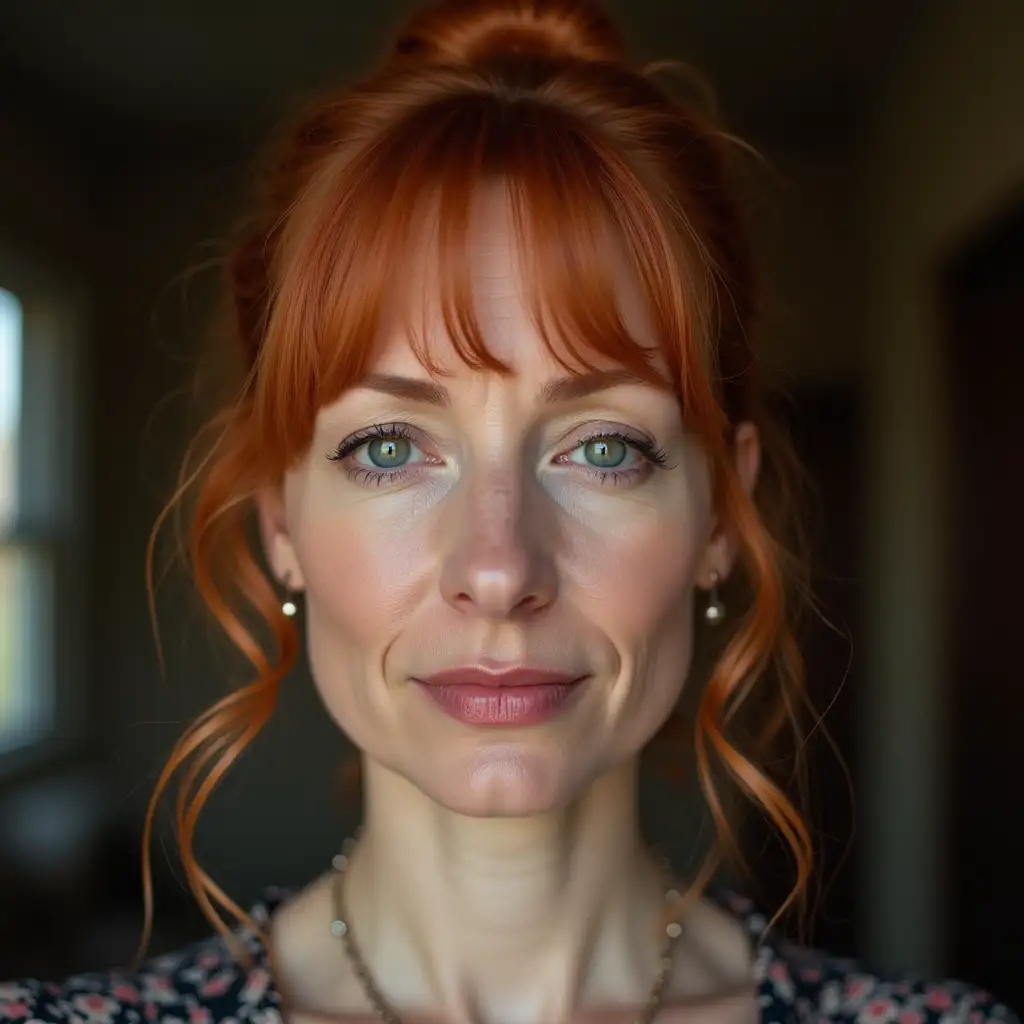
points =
(890, 220)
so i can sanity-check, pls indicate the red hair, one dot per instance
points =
(536, 94)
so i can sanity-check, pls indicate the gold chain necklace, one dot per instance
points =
(341, 929)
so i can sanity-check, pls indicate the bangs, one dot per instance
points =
(353, 248)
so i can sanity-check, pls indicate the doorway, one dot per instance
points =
(982, 294)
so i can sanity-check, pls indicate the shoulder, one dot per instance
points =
(797, 983)
(198, 985)
(829, 988)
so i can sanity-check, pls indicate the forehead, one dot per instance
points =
(500, 297)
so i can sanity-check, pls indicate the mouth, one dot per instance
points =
(510, 697)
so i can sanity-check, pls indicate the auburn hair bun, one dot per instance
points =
(472, 32)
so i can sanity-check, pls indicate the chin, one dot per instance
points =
(505, 779)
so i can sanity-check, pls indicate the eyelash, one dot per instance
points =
(653, 456)
(351, 445)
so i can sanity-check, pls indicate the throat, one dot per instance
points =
(504, 920)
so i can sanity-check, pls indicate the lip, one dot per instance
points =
(509, 697)
(514, 676)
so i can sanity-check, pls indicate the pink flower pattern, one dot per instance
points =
(205, 985)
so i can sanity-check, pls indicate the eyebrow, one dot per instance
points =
(563, 389)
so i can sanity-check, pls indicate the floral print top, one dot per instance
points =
(204, 984)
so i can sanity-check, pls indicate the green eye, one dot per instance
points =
(605, 452)
(388, 452)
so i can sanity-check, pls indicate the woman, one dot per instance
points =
(498, 428)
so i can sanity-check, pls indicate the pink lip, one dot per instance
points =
(517, 696)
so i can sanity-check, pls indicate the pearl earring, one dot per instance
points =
(714, 612)
(288, 605)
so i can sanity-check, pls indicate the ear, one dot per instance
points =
(723, 547)
(277, 542)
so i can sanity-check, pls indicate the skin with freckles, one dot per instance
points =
(473, 519)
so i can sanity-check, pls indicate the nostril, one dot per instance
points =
(531, 603)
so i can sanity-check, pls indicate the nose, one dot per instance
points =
(499, 565)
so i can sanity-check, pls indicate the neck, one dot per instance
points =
(454, 914)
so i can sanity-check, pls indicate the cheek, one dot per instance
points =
(364, 576)
(363, 573)
(634, 579)
(652, 627)
(645, 583)
(636, 569)
(646, 613)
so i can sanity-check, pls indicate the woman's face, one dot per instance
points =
(479, 522)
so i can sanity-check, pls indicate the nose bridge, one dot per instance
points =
(497, 562)
(496, 507)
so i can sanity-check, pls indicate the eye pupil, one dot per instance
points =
(388, 452)
(605, 452)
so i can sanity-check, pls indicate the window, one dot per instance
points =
(25, 688)
(40, 518)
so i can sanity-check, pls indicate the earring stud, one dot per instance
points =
(288, 605)
(714, 612)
